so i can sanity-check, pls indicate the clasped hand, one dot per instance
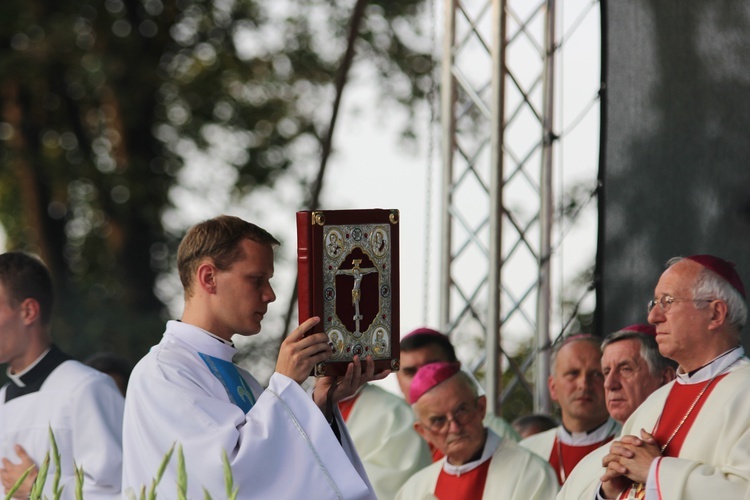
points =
(628, 462)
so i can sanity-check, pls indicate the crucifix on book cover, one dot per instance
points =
(349, 276)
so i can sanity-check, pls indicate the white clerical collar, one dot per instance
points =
(16, 377)
(199, 339)
(719, 365)
(223, 341)
(608, 428)
(491, 444)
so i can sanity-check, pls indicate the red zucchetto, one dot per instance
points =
(723, 268)
(429, 376)
(640, 328)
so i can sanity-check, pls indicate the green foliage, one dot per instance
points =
(160, 473)
(79, 482)
(56, 490)
(182, 479)
(231, 491)
(181, 476)
(103, 103)
(41, 479)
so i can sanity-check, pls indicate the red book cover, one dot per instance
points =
(349, 276)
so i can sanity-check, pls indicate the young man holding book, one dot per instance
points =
(279, 442)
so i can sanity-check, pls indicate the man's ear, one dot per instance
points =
(206, 277)
(552, 387)
(421, 430)
(719, 312)
(30, 311)
(482, 405)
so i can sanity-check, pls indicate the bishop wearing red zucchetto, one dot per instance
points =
(690, 439)
(478, 464)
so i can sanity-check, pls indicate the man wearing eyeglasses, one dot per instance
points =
(477, 463)
(689, 439)
(576, 383)
(423, 346)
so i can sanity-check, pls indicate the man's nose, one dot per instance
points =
(656, 315)
(270, 296)
(611, 381)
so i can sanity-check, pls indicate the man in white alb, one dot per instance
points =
(279, 442)
(50, 391)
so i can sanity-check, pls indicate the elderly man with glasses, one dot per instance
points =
(477, 463)
(691, 438)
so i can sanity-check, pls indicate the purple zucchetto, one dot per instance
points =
(422, 331)
(429, 376)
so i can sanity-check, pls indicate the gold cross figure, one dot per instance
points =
(357, 273)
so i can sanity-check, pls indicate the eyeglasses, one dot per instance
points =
(665, 303)
(461, 416)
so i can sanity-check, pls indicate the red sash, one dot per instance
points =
(467, 486)
(436, 454)
(570, 456)
(680, 398)
(683, 402)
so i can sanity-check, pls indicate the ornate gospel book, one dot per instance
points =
(349, 276)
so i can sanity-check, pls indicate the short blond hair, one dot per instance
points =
(217, 239)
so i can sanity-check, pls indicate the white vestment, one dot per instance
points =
(714, 460)
(381, 427)
(281, 448)
(514, 474)
(542, 443)
(83, 407)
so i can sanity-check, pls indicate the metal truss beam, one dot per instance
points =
(497, 197)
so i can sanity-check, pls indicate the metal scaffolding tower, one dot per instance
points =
(498, 136)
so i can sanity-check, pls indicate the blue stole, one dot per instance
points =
(237, 389)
